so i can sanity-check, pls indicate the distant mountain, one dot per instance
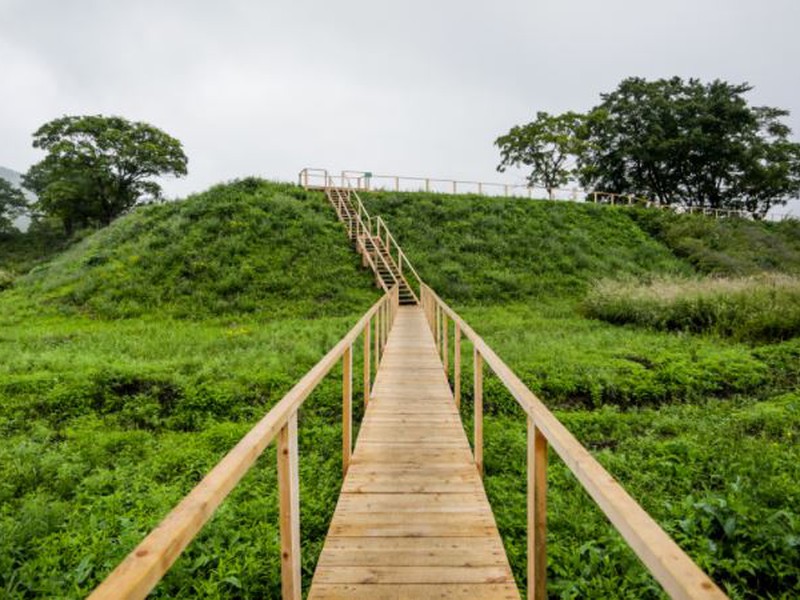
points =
(15, 178)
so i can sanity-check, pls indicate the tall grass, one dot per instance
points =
(757, 308)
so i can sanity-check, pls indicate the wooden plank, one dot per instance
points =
(459, 591)
(404, 503)
(408, 551)
(415, 574)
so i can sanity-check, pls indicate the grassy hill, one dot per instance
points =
(245, 248)
(133, 361)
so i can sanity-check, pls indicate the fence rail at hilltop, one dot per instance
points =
(366, 181)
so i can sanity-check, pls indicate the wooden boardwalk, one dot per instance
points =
(413, 520)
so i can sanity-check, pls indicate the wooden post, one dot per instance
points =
(347, 407)
(445, 349)
(478, 417)
(289, 499)
(427, 185)
(480, 189)
(455, 187)
(367, 366)
(396, 184)
(537, 513)
(377, 339)
(438, 335)
(505, 190)
(457, 364)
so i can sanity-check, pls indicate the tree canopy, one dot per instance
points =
(677, 142)
(546, 145)
(98, 167)
(12, 205)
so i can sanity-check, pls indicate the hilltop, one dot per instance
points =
(249, 247)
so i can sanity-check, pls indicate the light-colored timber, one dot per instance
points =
(413, 520)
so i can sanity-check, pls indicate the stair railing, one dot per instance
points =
(671, 566)
(144, 567)
(381, 231)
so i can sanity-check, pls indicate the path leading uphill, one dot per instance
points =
(413, 520)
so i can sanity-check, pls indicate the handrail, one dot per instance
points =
(143, 568)
(364, 181)
(671, 566)
(358, 214)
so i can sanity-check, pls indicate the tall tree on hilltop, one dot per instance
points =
(548, 145)
(98, 167)
(685, 142)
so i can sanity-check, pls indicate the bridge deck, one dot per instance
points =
(413, 520)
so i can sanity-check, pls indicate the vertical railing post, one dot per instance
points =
(478, 404)
(347, 407)
(367, 366)
(438, 334)
(377, 339)
(457, 364)
(289, 501)
(537, 513)
(445, 349)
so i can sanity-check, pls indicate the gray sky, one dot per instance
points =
(412, 88)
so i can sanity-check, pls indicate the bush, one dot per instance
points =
(763, 308)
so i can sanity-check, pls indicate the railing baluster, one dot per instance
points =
(445, 349)
(457, 364)
(289, 498)
(438, 336)
(347, 407)
(377, 340)
(478, 405)
(537, 513)
(367, 366)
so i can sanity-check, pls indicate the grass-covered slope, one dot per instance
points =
(106, 422)
(473, 248)
(734, 247)
(242, 248)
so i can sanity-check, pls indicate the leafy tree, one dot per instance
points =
(98, 167)
(12, 205)
(685, 142)
(547, 145)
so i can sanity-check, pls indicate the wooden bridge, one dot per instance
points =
(413, 519)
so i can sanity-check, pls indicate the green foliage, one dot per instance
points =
(546, 145)
(98, 167)
(106, 424)
(756, 308)
(248, 247)
(725, 246)
(685, 142)
(12, 204)
(478, 249)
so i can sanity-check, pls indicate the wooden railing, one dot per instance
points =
(144, 567)
(364, 181)
(374, 227)
(670, 566)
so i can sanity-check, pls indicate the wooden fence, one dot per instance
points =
(671, 567)
(151, 559)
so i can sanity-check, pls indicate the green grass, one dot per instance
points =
(731, 247)
(133, 361)
(757, 308)
(495, 250)
(250, 247)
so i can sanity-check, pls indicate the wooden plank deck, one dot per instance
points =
(413, 520)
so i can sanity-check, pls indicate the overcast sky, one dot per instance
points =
(412, 88)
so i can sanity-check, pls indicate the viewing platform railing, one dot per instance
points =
(365, 181)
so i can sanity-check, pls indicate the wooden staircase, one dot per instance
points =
(375, 248)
